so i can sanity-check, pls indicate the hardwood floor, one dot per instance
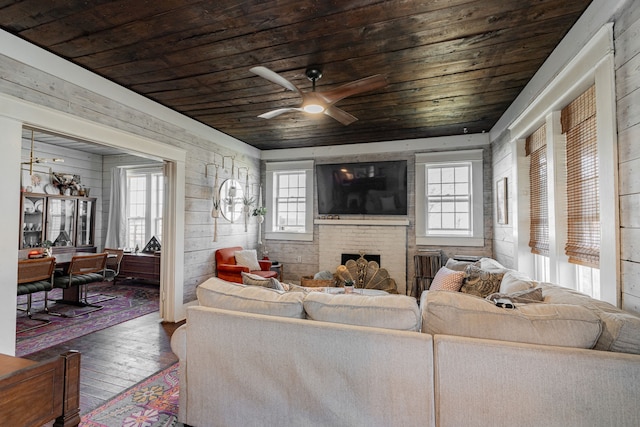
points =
(118, 357)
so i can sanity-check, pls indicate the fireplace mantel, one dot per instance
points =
(404, 222)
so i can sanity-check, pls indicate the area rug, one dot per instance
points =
(133, 299)
(150, 403)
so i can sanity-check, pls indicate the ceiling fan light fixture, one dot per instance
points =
(313, 108)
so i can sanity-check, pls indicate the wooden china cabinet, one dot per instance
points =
(68, 222)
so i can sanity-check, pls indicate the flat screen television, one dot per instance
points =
(371, 188)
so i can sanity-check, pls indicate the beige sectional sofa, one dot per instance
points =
(251, 356)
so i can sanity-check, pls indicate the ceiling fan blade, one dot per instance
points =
(274, 77)
(340, 115)
(359, 86)
(275, 113)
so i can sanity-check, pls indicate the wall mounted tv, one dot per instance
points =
(371, 188)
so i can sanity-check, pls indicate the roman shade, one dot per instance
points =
(536, 150)
(583, 198)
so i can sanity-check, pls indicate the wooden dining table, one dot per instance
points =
(70, 295)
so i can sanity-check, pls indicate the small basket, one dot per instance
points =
(310, 282)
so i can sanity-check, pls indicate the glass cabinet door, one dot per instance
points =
(86, 214)
(60, 221)
(32, 224)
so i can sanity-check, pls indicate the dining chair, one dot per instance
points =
(35, 275)
(83, 270)
(114, 259)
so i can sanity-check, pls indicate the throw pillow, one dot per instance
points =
(255, 280)
(248, 258)
(454, 264)
(514, 281)
(447, 280)
(491, 264)
(481, 282)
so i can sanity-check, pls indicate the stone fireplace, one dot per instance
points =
(385, 238)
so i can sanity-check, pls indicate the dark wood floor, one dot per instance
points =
(117, 357)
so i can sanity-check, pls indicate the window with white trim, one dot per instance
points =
(144, 206)
(574, 261)
(448, 199)
(289, 201)
(449, 208)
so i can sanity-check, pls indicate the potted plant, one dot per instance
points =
(247, 202)
(259, 212)
(215, 211)
(46, 247)
(348, 286)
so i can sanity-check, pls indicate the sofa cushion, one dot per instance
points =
(514, 281)
(218, 293)
(447, 280)
(481, 282)
(247, 258)
(255, 280)
(548, 324)
(398, 312)
(620, 330)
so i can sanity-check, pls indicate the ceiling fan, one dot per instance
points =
(320, 102)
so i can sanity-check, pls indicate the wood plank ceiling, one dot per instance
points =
(453, 66)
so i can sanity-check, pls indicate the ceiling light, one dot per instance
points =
(33, 160)
(313, 108)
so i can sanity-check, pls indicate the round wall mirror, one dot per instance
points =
(230, 197)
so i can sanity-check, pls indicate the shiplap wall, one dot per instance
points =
(627, 63)
(87, 165)
(33, 85)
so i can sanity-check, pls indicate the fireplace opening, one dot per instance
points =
(347, 257)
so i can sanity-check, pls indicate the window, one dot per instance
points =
(583, 195)
(536, 150)
(449, 207)
(579, 109)
(144, 206)
(449, 199)
(583, 200)
(290, 201)
(290, 196)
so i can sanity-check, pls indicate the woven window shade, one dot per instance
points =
(536, 149)
(583, 198)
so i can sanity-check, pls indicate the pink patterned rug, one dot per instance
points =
(150, 403)
(132, 300)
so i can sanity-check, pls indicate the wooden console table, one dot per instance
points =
(140, 266)
(35, 393)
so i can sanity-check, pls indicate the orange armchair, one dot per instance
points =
(227, 269)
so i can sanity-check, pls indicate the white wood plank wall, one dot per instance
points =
(627, 62)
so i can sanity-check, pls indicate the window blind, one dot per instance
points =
(536, 150)
(583, 198)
